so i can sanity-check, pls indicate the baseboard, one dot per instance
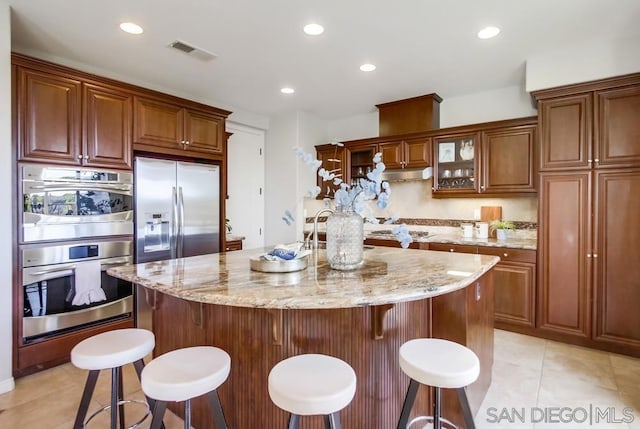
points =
(7, 385)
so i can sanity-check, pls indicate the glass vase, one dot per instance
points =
(344, 239)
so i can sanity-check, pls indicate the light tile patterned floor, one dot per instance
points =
(538, 378)
(528, 374)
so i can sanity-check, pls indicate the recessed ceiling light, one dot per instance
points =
(313, 29)
(287, 90)
(367, 67)
(131, 28)
(488, 32)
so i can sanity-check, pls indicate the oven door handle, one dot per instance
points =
(88, 186)
(54, 270)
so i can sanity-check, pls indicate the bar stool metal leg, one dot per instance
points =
(139, 366)
(332, 421)
(409, 399)
(466, 409)
(294, 420)
(120, 398)
(437, 409)
(114, 398)
(158, 414)
(89, 387)
(187, 414)
(216, 410)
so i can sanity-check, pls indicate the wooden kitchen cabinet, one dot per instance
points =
(233, 245)
(588, 230)
(515, 286)
(508, 161)
(617, 127)
(406, 153)
(514, 280)
(63, 120)
(565, 245)
(594, 124)
(360, 161)
(459, 248)
(492, 159)
(107, 127)
(616, 258)
(333, 159)
(176, 130)
(49, 109)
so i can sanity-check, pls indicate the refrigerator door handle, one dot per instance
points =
(174, 223)
(180, 222)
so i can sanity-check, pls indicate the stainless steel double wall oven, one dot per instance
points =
(75, 223)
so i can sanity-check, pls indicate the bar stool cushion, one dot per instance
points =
(312, 384)
(439, 363)
(185, 373)
(113, 349)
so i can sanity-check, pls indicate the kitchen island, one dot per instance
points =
(360, 316)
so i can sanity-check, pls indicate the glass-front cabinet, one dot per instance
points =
(360, 162)
(456, 163)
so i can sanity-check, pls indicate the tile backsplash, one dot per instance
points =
(414, 201)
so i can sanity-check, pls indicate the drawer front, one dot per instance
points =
(459, 248)
(507, 254)
(233, 245)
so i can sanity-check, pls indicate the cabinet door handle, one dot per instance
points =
(477, 291)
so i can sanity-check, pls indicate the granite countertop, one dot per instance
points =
(516, 240)
(232, 237)
(388, 275)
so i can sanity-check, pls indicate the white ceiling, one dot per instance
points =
(419, 46)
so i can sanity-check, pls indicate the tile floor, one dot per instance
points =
(532, 376)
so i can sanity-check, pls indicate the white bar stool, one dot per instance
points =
(111, 350)
(183, 374)
(312, 384)
(441, 364)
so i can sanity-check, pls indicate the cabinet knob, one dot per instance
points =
(79, 156)
(589, 161)
(595, 255)
(451, 250)
(505, 255)
(482, 187)
(588, 255)
(596, 160)
(186, 142)
(86, 157)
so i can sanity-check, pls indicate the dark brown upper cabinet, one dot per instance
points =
(62, 120)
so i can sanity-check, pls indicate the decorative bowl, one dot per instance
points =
(259, 264)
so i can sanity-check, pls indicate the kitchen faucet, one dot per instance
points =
(315, 230)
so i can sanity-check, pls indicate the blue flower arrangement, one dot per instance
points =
(367, 189)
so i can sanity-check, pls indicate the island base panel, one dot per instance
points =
(257, 339)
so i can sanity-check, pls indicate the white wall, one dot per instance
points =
(583, 62)
(504, 103)
(287, 177)
(354, 127)
(6, 181)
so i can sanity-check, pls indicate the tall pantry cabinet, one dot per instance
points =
(589, 232)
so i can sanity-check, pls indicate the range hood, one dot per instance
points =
(407, 174)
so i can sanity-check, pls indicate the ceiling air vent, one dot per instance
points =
(192, 51)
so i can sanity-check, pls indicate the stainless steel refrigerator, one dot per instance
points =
(177, 213)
